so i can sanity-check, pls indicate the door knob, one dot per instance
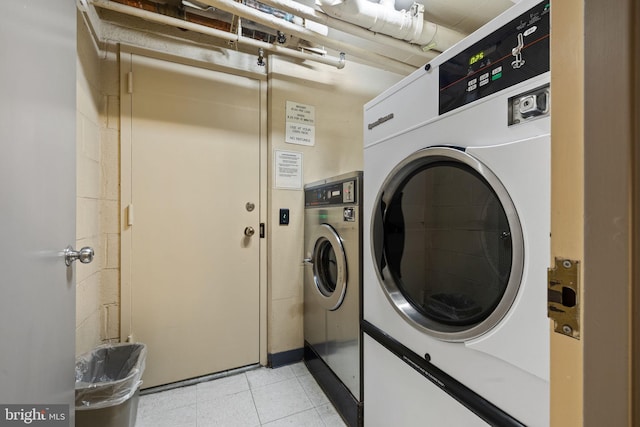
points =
(249, 231)
(85, 255)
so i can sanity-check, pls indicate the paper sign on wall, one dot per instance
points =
(287, 169)
(300, 124)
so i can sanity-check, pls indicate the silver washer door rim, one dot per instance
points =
(327, 235)
(393, 293)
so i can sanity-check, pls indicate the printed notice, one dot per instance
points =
(300, 124)
(287, 169)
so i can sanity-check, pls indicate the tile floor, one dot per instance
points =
(286, 396)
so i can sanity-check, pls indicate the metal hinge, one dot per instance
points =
(563, 290)
(130, 82)
(130, 215)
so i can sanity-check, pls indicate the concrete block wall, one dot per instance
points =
(110, 194)
(97, 193)
(88, 192)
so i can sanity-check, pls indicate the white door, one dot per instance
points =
(194, 255)
(37, 207)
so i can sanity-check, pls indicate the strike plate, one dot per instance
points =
(563, 289)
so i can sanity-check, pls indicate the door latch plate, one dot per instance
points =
(563, 303)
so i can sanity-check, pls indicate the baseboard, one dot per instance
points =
(283, 358)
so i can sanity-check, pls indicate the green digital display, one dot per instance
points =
(482, 55)
(475, 58)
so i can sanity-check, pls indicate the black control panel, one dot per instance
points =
(516, 52)
(338, 193)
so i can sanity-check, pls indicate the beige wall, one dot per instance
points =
(97, 194)
(110, 194)
(338, 96)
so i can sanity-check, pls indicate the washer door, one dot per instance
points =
(447, 244)
(329, 267)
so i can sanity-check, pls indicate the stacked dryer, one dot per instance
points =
(456, 234)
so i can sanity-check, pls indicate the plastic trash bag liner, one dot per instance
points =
(109, 374)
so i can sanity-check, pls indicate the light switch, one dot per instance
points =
(284, 216)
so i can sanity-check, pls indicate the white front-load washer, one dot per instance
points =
(456, 234)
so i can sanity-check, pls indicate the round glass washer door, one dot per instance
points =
(447, 244)
(329, 267)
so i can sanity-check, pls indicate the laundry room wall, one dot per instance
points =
(338, 97)
(97, 191)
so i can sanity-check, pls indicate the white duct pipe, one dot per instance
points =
(384, 18)
(271, 21)
(309, 13)
(179, 23)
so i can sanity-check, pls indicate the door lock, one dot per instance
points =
(249, 231)
(563, 304)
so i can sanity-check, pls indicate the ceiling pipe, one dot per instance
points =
(382, 17)
(179, 23)
(271, 21)
(309, 13)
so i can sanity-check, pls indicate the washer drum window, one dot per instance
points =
(447, 244)
(329, 267)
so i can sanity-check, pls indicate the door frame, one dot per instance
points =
(595, 207)
(125, 185)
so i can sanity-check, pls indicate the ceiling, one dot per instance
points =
(460, 16)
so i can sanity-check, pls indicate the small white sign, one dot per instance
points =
(287, 169)
(300, 124)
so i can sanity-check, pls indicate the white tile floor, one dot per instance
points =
(286, 396)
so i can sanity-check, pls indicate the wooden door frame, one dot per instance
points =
(635, 352)
(595, 208)
(125, 184)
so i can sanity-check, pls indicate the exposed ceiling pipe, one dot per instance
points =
(384, 18)
(312, 14)
(271, 21)
(179, 23)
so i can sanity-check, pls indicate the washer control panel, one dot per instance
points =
(510, 55)
(338, 193)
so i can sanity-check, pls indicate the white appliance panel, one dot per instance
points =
(408, 395)
(508, 365)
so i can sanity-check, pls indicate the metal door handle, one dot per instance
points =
(249, 231)
(85, 255)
